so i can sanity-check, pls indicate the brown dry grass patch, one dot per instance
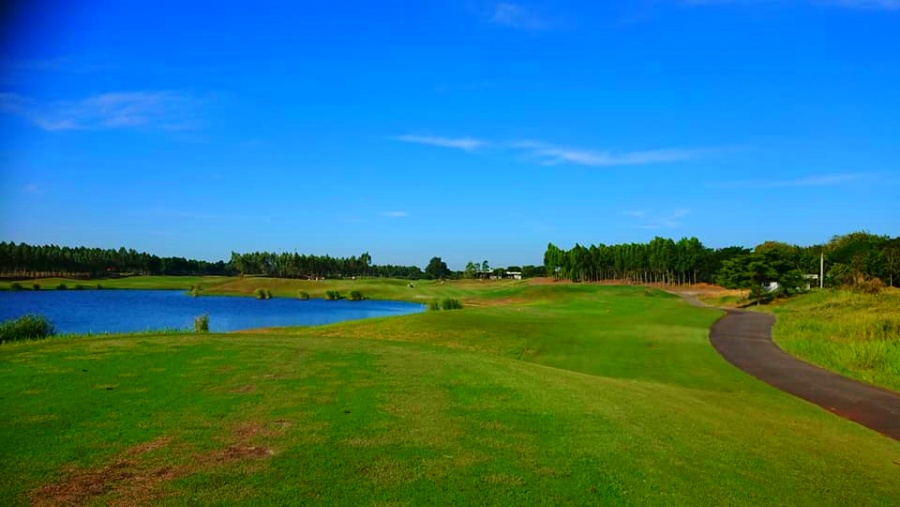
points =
(132, 478)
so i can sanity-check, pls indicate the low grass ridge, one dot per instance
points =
(851, 333)
(562, 394)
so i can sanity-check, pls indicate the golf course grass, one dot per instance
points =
(854, 334)
(532, 394)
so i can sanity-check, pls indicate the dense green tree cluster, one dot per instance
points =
(661, 260)
(849, 259)
(294, 265)
(23, 260)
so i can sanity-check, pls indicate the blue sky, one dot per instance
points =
(464, 129)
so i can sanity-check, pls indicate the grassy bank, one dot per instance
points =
(857, 335)
(561, 394)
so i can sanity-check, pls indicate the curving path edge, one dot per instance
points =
(745, 340)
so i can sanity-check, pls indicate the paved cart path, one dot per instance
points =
(745, 340)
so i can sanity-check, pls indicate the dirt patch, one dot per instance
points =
(244, 389)
(133, 478)
(81, 485)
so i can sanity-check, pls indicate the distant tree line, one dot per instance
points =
(849, 259)
(294, 265)
(32, 261)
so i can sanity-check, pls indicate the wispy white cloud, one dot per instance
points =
(554, 155)
(395, 214)
(808, 181)
(665, 220)
(517, 16)
(461, 143)
(146, 109)
(888, 5)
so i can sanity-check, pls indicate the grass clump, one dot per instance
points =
(303, 295)
(78, 286)
(444, 304)
(62, 286)
(451, 304)
(15, 286)
(854, 333)
(356, 295)
(195, 291)
(332, 295)
(36, 286)
(26, 327)
(262, 293)
(201, 323)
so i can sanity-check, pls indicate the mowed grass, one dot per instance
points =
(854, 334)
(558, 395)
(131, 282)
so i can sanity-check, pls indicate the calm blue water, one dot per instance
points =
(102, 311)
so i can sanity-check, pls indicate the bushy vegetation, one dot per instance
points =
(332, 295)
(853, 333)
(303, 295)
(201, 323)
(26, 327)
(61, 286)
(262, 293)
(15, 286)
(356, 295)
(444, 304)
(195, 291)
(36, 286)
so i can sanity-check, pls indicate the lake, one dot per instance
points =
(117, 311)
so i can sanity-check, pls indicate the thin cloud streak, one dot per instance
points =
(809, 181)
(555, 155)
(463, 143)
(395, 214)
(516, 16)
(671, 220)
(165, 110)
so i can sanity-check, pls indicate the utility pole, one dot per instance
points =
(822, 270)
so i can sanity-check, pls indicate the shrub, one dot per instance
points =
(78, 286)
(194, 292)
(356, 295)
(36, 286)
(26, 327)
(303, 295)
(201, 323)
(15, 286)
(434, 305)
(332, 295)
(451, 304)
(99, 287)
(872, 286)
(262, 293)
(61, 286)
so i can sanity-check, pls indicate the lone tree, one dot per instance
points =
(437, 269)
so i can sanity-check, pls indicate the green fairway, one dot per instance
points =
(551, 394)
(854, 334)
